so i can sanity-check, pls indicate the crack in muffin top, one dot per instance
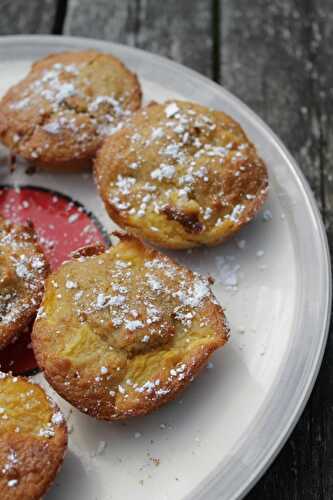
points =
(119, 333)
(181, 175)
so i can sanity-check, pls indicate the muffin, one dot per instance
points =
(33, 439)
(181, 175)
(23, 269)
(122, 332)
(69, 102)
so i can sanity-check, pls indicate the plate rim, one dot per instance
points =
(295, 410)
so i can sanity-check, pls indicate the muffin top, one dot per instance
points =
(33, 439)
(58, 115)
(181, 175)
(122, 332)
(23, 269)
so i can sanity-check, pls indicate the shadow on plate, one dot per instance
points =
(72, 482)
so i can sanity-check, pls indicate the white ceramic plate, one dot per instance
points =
(218, 439)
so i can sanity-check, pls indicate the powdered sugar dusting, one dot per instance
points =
(23, 268)
(142, 306)
(192, 170)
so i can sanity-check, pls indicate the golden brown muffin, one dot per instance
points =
(33, 439)
(181, 175)
(123, 332)
(59, 114)
(23, 269)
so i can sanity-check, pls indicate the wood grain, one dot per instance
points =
(181, 30)
(27, 16)
(108, 20)
(265, 60)
(322, 76)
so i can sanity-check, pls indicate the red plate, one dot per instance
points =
(62, 225)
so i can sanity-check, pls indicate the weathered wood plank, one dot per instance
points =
(275, 56)
(22, 16)
(177, 29)
(108, 20)
(181, 30)
(322, 75)
(265, 60)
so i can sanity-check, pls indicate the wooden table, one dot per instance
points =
(277, 56)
